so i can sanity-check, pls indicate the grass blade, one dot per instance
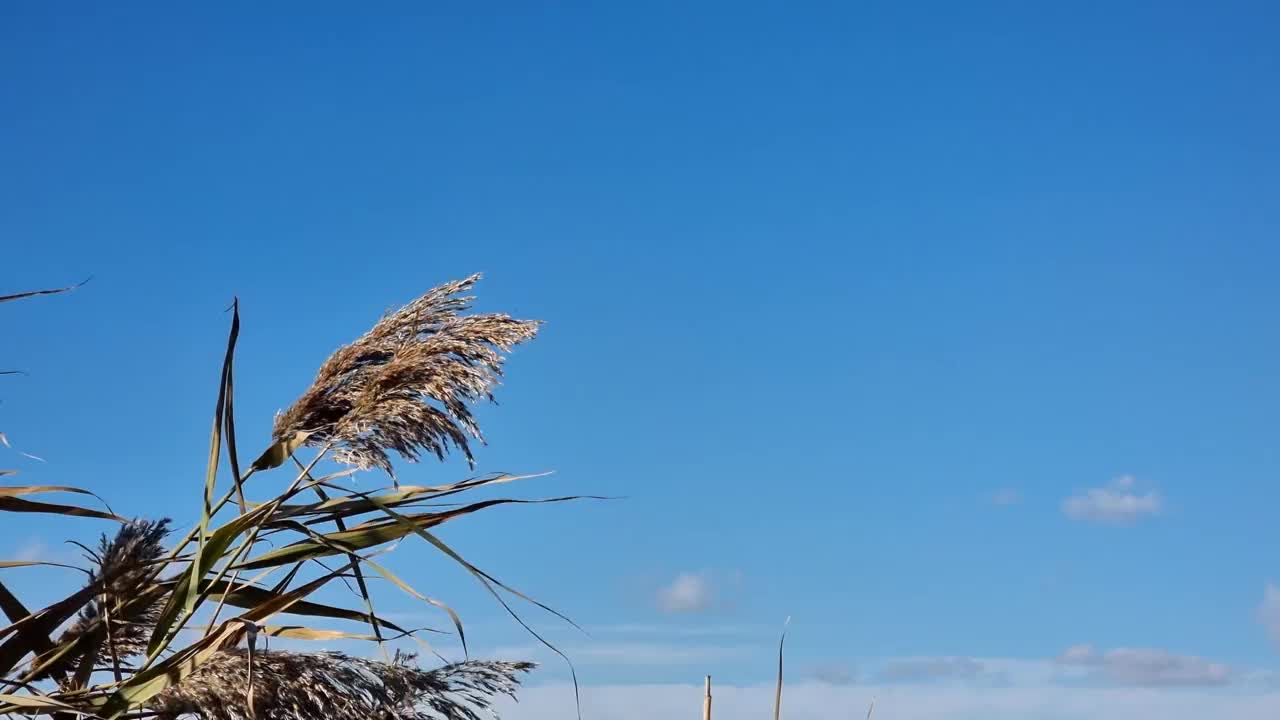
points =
(32, 701)
(457, 621)
(4, 564)
(33, 293)
(13, 504)
(360, 582)
(777, 694)
(187, 589)
(298, 632)
(12, 490)
(372, 534)
(251, 596)
(228, 364)
(31, 631)
(279, 452)
(152, 681)
(485, 580)
(215, 451)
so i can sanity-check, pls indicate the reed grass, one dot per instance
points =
(133, 648)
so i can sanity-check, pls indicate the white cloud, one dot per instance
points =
(834, 674)
(820, 701)
(688, 593)
(1083, 682)
(931, 668)
(1269, 612)
(1147, 667)
(1144, 667)
(1117, 503)
(1077, 655)
(33, 550)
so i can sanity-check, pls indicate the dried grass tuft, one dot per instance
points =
(407, 384)
(127, 562)
(334, 686)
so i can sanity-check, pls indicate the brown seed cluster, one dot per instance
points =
(126, 564)
(307, 686)
(407, 384)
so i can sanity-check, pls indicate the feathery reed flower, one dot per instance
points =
(405, 386)
(334, 686)
(124, 564)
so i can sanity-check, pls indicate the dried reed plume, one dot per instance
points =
(405, 386)
(126, 563)
(407, 383)
(333, 686)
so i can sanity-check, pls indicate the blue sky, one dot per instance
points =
(849, 301)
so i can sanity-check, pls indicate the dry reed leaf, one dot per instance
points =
(18, 505)
(35, 563)
(11, 490)
(298, 632)
(250, 596)
(34, 293)
(777, 693)
(30, 631)
(13, 703)
(215, 451)
(404, 388)
(187, 590)
(370, 535)
(143, 686)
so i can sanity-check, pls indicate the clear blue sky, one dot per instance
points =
(819, 282)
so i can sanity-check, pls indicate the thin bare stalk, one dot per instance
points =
(706, 701)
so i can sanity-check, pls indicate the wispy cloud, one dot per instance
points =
(834, 674)
(1118, 503)
(1148, 667)
(688, 593)
(818, 701)
(930, 668)
(1077, 655)
(1269, 612)
(1082, 683)
(33, 550)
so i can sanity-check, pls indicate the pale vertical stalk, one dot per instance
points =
(706, 701)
